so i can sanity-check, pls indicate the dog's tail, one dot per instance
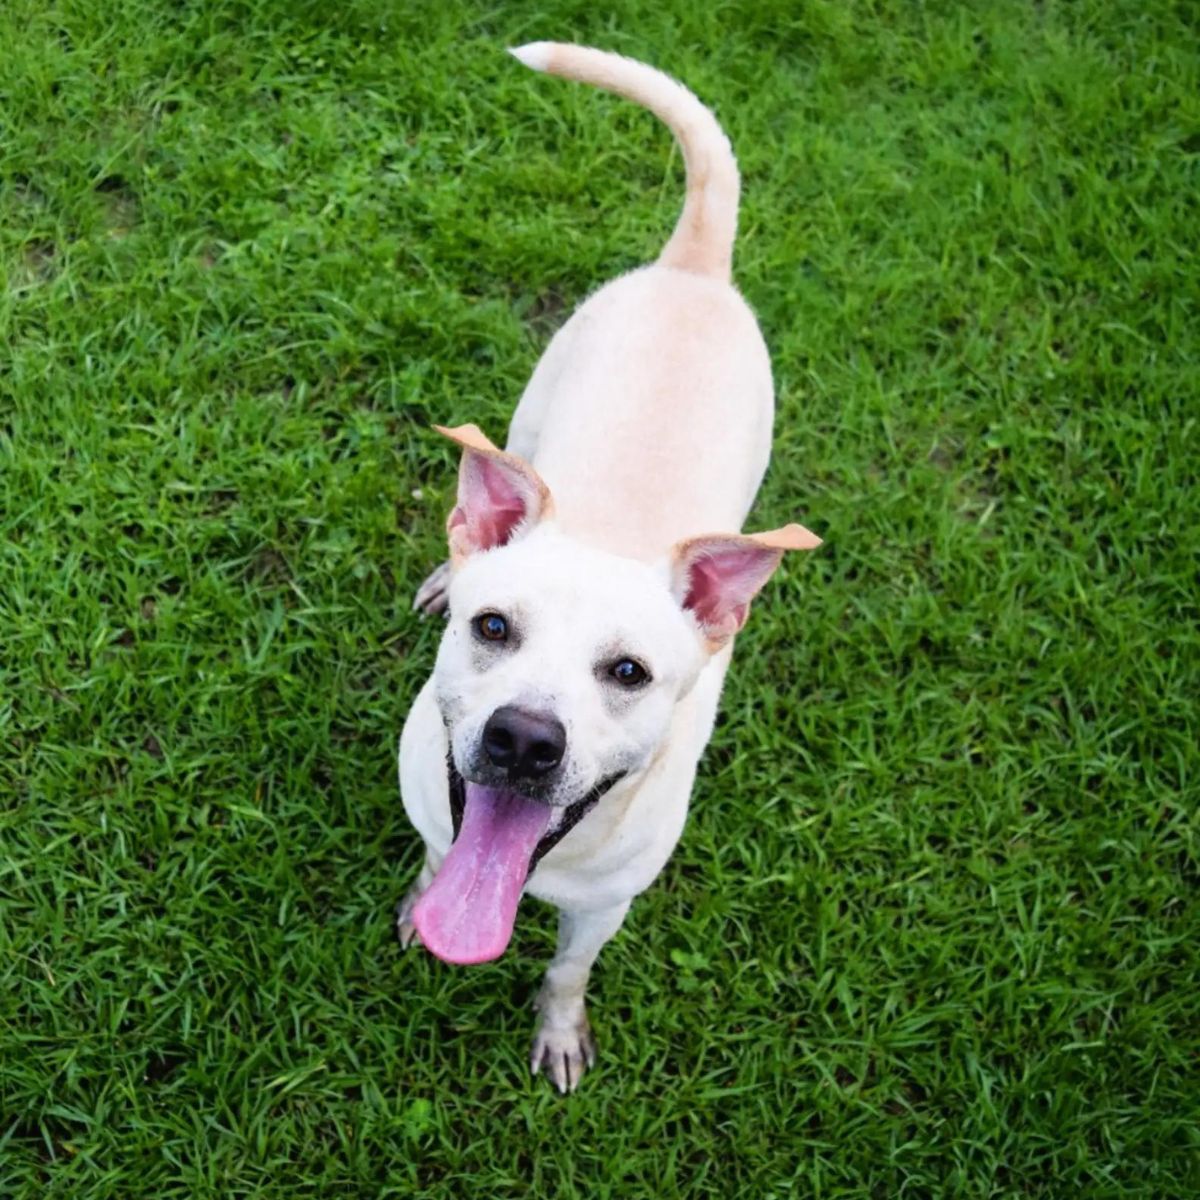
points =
(703, 238)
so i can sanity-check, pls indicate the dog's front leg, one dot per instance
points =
(563, 1042)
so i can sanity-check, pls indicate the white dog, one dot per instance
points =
(591, 607)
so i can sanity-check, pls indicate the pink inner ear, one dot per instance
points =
(722, 582)
(492, 502)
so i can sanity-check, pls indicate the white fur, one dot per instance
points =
(577, 607)
(649, 418)
(535, 55)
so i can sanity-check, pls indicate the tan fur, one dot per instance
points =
(648, 418)
(474, 441)
(789, 537)
(470, 437)
(703, 238)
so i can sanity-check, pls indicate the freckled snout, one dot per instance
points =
(528, 745)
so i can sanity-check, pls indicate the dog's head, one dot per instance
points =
(562, 665)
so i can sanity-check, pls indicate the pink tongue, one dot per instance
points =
(466, 914)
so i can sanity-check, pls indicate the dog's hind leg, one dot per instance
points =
(432, 596)
(562, 1043)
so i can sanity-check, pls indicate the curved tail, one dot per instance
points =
(703, 238)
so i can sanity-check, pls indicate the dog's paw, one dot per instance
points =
(563, 1053)
(432, 596)
(406, 931)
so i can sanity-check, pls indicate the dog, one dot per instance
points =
(591, 607)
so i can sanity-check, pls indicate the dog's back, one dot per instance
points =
(650, 414)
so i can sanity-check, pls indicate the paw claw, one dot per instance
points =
(564, 1053)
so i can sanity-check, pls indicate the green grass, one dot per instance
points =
(934, 926)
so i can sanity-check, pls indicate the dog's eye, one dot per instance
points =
(628, 673)
(492, 627)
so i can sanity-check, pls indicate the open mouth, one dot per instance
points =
(467, 913)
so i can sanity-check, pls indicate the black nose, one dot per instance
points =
(525, 744)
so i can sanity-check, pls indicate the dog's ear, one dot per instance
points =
(716, 576)
(500, 496)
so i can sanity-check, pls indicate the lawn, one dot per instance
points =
(933, 929)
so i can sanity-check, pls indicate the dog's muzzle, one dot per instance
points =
(467, 912)
(572, 815)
